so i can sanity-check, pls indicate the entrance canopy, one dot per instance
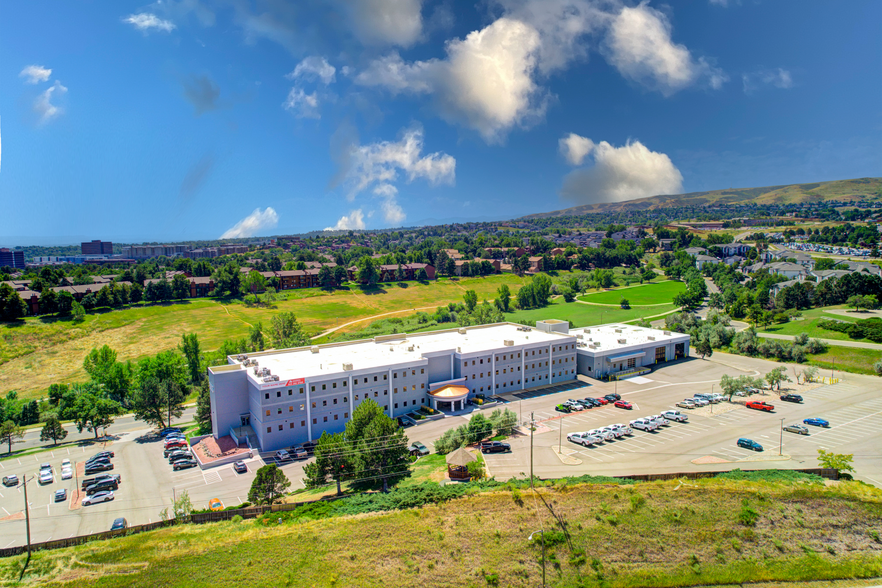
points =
(449, 397)
(625, 356)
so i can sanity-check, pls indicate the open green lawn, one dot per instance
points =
(850, 359)
(809, 324)
(652, 535)
(39, 351)
(657, 293)
(582, 315)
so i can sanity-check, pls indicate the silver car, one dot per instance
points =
(602, 433)
(98, 497)
(583, 439)
(675, 415)
(798, 429)
(643, 425)
(699, 401)
(660, 420)
(687, 403)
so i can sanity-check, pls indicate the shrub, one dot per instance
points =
(637, 501)
(748, 515)
(237, 519)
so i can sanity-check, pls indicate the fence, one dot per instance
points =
(255, 511)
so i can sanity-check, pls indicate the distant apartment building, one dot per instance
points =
(148, 251)
(97, 247)
(12, 258)
(211, 252)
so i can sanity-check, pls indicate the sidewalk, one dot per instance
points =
(830, 342)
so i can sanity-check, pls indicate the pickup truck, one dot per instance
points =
(760, 405)
(90, 481)
(495, 447)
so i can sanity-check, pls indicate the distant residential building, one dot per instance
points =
(535, 263)
(731, 249)
(703, 260)
(97, 247)
(148, 251)
(13, 258)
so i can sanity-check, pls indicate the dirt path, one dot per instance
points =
(370, 318)
(235, 317)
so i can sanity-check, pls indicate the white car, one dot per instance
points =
(46, 477)
(709, 397)
(65, 464)
(644, 425)
(625, 429)
(699, 401)
(660, 420)
(719, 397)
(614, 431)
(583, 439)
(675, 415)
(66, 474)
(574, 404)
(687, 403)
(602, 433)
(98, 497)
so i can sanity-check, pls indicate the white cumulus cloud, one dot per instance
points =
(386, 22)
(777, 78)
(485, 83)
(145, 21)
(622, 173)
(257, 221)
(303, 105)
(575, 148)
(314, 68)
(43, 105)
(35, 74)
(354, 221)
(639, 45)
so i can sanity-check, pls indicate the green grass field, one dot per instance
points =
(794, 533)
(647, 294)
(583, 315)
(40, 351)
(850, 359)
(809, 324)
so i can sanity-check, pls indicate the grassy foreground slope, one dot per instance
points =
(40, 351)
(658, 534)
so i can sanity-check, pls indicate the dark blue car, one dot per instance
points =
(749, 444)
(816, 422)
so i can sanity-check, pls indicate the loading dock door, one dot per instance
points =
(679, 350)
(660, 355)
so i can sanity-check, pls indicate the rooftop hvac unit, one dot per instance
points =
(622, 341)
(618, 330)
(462, 331)
(508, 342)
(347, 367)
(410, 348)
(275, 378)
(268, 379)
(667, 332)
(314, 349)
(580, 336)
(254, 362)
(255, 370)
(650, 337)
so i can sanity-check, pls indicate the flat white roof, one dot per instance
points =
(604, 338)
(391, 350)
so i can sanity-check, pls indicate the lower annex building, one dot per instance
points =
(286, 397)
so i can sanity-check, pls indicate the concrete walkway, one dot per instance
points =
(830, 342)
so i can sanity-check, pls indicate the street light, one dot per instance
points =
(781, 442)
(530, 538)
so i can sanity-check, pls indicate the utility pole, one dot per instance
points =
(781, 442)
(832, 370)
(532, 426)
(530, 538)
(27, 514)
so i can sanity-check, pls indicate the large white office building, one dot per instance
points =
(285, 397)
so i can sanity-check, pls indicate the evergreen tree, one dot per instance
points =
(53, 429)
(269, 485)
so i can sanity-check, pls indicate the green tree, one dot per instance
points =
(190, 348)
(703, 347)
(98, 362)
(10, 433)
(332, 460)
(367, 271)
(156, 401)
(254, 282)
(286, 332)
(183, 506)
(65, 303)
(203, 408)
(78, 312)
(255, 336)
(471, 300)
(52, 429)
(479, 427)
(380, 445)
(269, 485)
(340, 275)
(180, 287)
(503, 298)
(776, 376)
(164, 366)
(841, 462)
(92, 412)
(56, 392)
(326, 278)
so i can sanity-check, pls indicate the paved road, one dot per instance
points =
(831, 342)
(123, 424)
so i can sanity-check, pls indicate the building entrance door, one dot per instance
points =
(245, 420)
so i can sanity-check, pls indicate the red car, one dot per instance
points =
(760, 405)
(603, 401)
(623, 404)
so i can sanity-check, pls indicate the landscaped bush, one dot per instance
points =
(864, 329)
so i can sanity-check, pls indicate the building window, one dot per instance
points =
(345, 399)
(326, 419)
(405, 403)
(376, 393)
(290, 425)
(302, 423)
(266, 396)
(385, 377)
(290, 409)
(313, 388)
(422, 401)
(302, 406)
(269, 429)
(385, 393)
(280, 427)
(413, 372)
(334, 385)
(422, 370)
(503, 371)
(290, 392)
(324, 386)
(301, 390)
(375, 378)
(395, 375)
(345, 383)
(313, 404)
(396, 405)
(413, 387)
(267, 412)
(356, 396)
(482, 362)
(423, 385)
(314, 421)
(278, 393)
(336, 417)
(497, 372)
(324, 402)
(395, 391)
(279, 410)
(345, 415)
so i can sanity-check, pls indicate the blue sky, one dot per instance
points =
(187, 119)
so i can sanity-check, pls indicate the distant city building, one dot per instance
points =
(147, 251)
(12, 258)
(97, 247)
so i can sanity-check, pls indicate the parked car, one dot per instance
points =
(709, 397)
(686, 404)
(66, 474)
(592, 401)
(675, 415)
(749, 444)
(791, 398)
(659, 420)
(612, 397)
(623, 404)
(699, 401)
(107, 454)
(495, 447)
(240, 467)
(10, 480)
(98, 498)
(45, 466)
(99, 467)
(180, 457)
(417, 448)
(614, 431)
(625, 429)
(101, 486)
(65, 463)
(282, 456)
(297, 452)
(585, 405)
(563, 408)
(760, 405)
(309, 446)
(816, 422)
(61, 494)
(643, 425)
(602, 401)
(89, 481)
(718, 396)
(574, 405)
(605, 435)
(174, 444)
(185, 463)
(405, 421)
(798, 429)
(119, 524)
(46, 477)
(174, 448)
(583, 439)
(168, 431)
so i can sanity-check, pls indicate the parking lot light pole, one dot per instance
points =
(27, 513)
(781, 442)
(530, 538)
